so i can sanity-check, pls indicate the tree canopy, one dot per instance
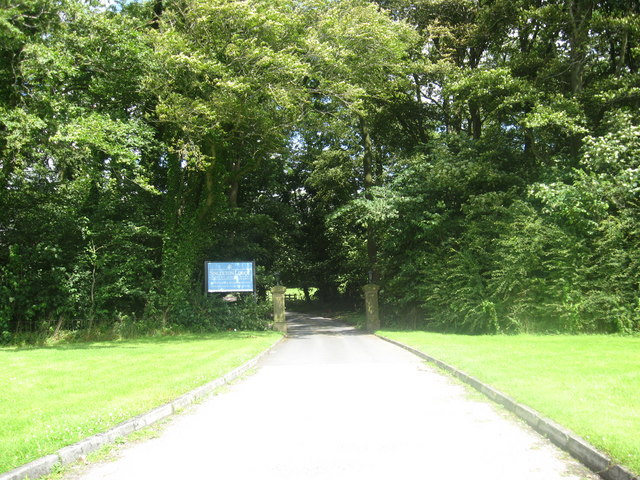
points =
(480, 160)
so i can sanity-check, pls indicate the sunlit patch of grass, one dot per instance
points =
(56, 396)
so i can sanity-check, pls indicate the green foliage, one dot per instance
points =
(559, 256)
(213, 314)
(479, 160)
(102, 390)
(517, 215)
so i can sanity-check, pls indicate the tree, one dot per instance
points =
(515, 92)
(229, 91)
(76, 184)
(360, 58)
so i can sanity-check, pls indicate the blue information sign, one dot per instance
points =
(229, 276)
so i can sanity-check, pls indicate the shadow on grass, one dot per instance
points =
(140, 341)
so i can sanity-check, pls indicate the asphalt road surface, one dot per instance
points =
(334, 403)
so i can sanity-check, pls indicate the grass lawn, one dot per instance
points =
(299, 292)
(590, 384)
(56, 396)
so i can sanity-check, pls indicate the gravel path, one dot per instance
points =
(334, 403)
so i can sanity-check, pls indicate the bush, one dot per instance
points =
(212, 314)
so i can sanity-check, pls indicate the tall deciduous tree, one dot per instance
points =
(361, 57)
(77, 238)
(229, 92)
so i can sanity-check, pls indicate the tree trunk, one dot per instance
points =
(369, 182)
(234, 182)
(92, 292)
(580, 13)
(529, 143)
(475, 119)
(233, 191)
(158, 10)
(209, 182)
(624, 46)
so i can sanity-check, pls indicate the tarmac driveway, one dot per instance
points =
(334, 403)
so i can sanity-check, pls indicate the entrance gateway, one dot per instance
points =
(231, 277)
(227, 277)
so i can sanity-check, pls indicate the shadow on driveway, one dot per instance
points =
(304, 325)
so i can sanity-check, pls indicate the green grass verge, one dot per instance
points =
(590, 384)
(56, 396)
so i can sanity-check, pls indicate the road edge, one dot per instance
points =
(69, 454)
(575, 445)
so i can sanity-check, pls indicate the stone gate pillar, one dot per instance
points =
(277, 296)
(371, 306)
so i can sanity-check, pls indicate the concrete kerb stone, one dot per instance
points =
(617, 473)
(64, 456)
(124, 429)
(528, 415)
(157, 414)
(490, 392)
(579, 448)
(37, 468)
(182, 402)
(73, 452)
(592, 458)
